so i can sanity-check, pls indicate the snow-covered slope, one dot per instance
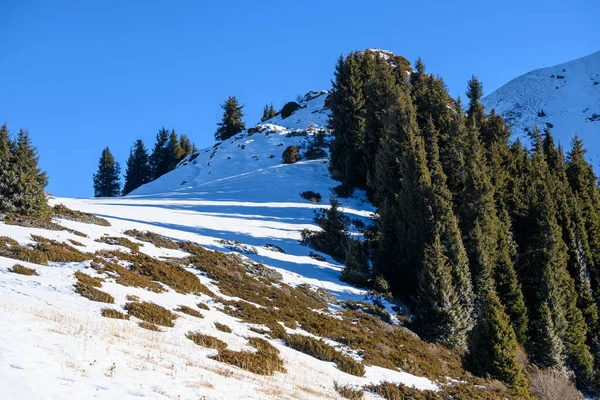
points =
(566, 96)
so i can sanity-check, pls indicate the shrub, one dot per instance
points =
(189, 311)
(356, 265)
(333, 238)
(75, 243)
(348, 392)
(112, 313)
(86, 287)
(206, 341)
(274, 248)
(311, 254)
(203, 306)
(223, 327)
(314, 153)
(324, 352)
(119, 241)
(151, 313)
(61, 211)
(289, 108)
(311, 196)
(291, 155)
(125, 276)
(154, 238)
(58, 251)
(265, 361)
(10, 248)
(149, 326)
(19, 269)
(549, 384)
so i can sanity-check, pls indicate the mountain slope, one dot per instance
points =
(565, 97)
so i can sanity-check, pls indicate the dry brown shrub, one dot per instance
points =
(149, 326)
(10, 248)
(154, 238)
(61, 211)
(20, 269)
(549, 384)
(189, 311)
(112, 313)
(265, 361)
(58, 251)
(206, 341)
(151, 313)
(222, 327)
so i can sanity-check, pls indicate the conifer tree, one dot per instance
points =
(439, 316)
(546, 347)
(475, 93)
(268, 112)
(138, 170)
(232, 122)
(7, 172)
(173, 151)
(159, 159)
(356, 265)
(186, 147)
(26, 181)
(493, 346)
(333, 237)
(107, 181)
(348, 124)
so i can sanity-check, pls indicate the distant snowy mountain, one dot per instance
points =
(565, 97)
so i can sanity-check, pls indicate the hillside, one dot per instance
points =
(62, 336)
(565, 97)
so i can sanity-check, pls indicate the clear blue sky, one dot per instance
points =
(82, 75)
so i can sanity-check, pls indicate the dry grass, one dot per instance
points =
(151, 313)
(149, 326)
(189, 311)
(348, 392)
(203, 340)
(470, 390)
(154, 238)
(86, 286)
(58, 251)
(62, 211)
(10, 248)
(19, 269)
(76, 243)
(265, 361)
(124, 276)
(223, 327)
(111, 313)
(548, 384)
(324, 352)
(33, 222)
(119, 241)
(203, 306)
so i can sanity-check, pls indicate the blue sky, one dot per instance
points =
(82, 75)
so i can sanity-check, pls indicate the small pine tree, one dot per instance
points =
(107, 181)
(333, 237)
(186, 147)
(268, 113)
(232, 122)
(356, 266)
(493, 346)
(138, 170)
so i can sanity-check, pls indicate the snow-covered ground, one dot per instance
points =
(567, 96)
(55, 345)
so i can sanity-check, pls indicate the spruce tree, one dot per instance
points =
(475, 93)
(232, 122)
(493, 346)
(268, 112)
(138, 170)
(356, 265)
(159, 159)
(107, 181)
(7, 171)
(186, 147)
(25, 194)
(173, 151)
(546, 348)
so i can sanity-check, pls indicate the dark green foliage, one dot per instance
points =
(291, 155)
(356, 265)
(268, 112)
(289, 108)
(160, 159)
(311, 196)
(332, 238)
(22, 183)
(107, 181)
(138, 170)
(186, 147)
(231, 124)
(493, 345)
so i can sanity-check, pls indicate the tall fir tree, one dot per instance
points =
(138, 170)
(493, 346)
(7, 171)
(173, 151)
(186, 147)
(159, 159)
(475, 93)
(232, 122)
(107, 181)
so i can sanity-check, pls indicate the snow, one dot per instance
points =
(569, 96)
(55, 345)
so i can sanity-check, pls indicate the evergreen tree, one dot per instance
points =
(7, 171)
(173, 151)
(232, 122)
(493, 346)
(107, 181)
(475, 93)
(159, 159)
(24, 193)
(268, 113)
(546, 347)
(333, 237)
(138, 170)
(439, 314)
(348, 123)
(186, 147)
(356, 265)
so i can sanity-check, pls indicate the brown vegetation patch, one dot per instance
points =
(58, 251)
(86, 286)
(154, 238)
(265, 361)
(112, 313)
(348, 392)
(10, 248)
(62, 211)
(203, 306)
(19, 269)
(223, 327)
(34, 222)
(119, 241)
(151, 313)
(203, 340)
(548, 384)
(189, 311)
(124, 276)
(149, 326)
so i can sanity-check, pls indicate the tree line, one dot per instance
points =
(494, 245)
